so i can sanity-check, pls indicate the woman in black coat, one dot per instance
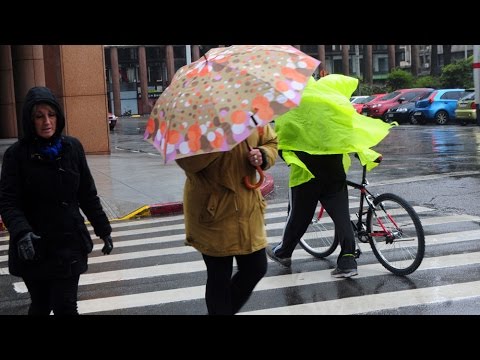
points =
(44, 183)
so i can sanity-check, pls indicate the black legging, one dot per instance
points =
(224, 294)
(302, 203)
(59, 295)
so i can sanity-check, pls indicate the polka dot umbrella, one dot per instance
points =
(215, 103)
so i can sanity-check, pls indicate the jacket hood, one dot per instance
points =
(36, 95)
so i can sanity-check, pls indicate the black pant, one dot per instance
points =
(59, 295)
(303, 201)
(224, 294)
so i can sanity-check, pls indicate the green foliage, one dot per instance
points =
(427, 82)
(365, 89)
(458, 74)
(399, 79)
(379, 89)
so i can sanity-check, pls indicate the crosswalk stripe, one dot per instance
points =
(434, 239)
(376, 302)
(425, 221)
(267, 283)
(181, 226)
(186, 267)
(438, 239)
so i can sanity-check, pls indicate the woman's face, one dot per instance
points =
(45, 120)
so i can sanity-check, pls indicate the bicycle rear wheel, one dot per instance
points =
(396, 234)
(319, 239)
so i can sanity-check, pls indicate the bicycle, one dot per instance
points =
(392, 228)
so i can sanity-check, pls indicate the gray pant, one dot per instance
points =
(303, 200)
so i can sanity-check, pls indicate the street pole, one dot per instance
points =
(357, 65)
(476, 79)
(188, 52)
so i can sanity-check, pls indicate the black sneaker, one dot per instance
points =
(343, 273)
(285, 262)
(346, 267)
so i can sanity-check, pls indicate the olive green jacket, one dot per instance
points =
(222, 216)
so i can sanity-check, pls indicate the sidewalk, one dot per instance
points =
(134, 183)
(139, 184)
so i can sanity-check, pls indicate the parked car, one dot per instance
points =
(358, 101)
(359, 107)
(466, 110)
(439, 106)
(357, 98)
(379, 107)
(112, 121)
(403, 112)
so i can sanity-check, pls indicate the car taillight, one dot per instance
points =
(473, 105)
(432, 95)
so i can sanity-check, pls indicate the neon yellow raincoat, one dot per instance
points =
(325, 122)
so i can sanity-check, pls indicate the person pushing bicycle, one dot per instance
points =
(315, 140)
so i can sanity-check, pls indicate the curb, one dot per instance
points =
(174, 208)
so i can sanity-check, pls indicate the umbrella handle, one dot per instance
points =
(250, 186)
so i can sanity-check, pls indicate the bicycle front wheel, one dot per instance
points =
(319, 240)
(396, 234)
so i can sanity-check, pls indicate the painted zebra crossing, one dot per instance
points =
(152, 272)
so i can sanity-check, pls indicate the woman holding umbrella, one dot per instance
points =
(213, 121)
(224, 219)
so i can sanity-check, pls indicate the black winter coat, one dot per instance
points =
(45, 197)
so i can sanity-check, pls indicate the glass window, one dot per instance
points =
(409, 96)
(383, 64)
(469, 96)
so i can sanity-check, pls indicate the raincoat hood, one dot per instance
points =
(35, 96)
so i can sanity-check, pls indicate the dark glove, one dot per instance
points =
(26, 251)
(108, 247)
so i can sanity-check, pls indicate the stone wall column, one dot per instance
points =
(76, 75)
(195, 52)
(142, 63)
(321, 57)
(117, 104)
(28, 71)
(170, 60)
(8, 113)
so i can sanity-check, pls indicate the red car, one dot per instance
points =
(379, 107)
(358, 100)
(360, 105)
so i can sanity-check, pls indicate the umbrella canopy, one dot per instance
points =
(326, 122)
(215, 102)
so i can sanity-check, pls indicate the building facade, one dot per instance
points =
(158, 63)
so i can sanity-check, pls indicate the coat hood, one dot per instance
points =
(36, 95)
